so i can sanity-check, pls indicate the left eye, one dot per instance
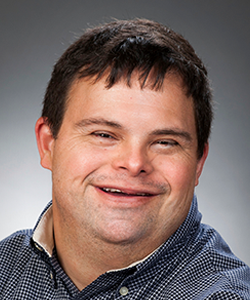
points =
(167, 143)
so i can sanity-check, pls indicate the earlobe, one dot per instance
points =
(45, 142)
(201, 163)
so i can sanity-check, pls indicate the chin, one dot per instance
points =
(120, 234)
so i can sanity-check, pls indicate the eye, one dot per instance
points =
(103, 135)
(167, 143)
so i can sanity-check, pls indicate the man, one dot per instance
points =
(124, 130)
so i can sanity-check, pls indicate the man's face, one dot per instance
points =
(124, 164)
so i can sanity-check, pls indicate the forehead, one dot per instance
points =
(132, 104)
(172, 81)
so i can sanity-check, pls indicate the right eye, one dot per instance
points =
(103, 135)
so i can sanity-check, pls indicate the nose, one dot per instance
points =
(133, 158)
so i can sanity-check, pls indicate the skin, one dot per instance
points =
(138, 141)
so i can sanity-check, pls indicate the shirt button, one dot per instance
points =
(123, 291)
(38, 247)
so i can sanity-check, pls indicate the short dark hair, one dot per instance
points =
(119, 48)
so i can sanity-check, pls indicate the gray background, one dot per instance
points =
(34, 34)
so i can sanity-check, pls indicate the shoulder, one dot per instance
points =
(218, 251)
(206, 268)
(15, 253)
(13, 246)
(24, 270)
(16, 238)
(231, 276)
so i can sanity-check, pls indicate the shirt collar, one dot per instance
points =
(43, 232)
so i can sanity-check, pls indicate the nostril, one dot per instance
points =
(124, 168)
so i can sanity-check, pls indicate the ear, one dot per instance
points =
(201, 163)
(45, 142)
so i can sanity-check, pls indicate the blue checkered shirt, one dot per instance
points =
(194, 263)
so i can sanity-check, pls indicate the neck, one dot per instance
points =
(85, 261)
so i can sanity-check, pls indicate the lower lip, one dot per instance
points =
(127, 200)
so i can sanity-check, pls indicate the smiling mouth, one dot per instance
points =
(122, 193)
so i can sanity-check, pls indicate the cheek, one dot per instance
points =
(74, 170)
(77, 161)
(179, 173)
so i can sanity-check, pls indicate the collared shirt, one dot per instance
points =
(194, 263)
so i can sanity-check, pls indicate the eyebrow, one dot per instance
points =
(175, 132)
(99, 121)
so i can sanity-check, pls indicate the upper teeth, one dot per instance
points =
(119, 191)
(112, 190)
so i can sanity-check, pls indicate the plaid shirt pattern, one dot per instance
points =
(194, 263)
